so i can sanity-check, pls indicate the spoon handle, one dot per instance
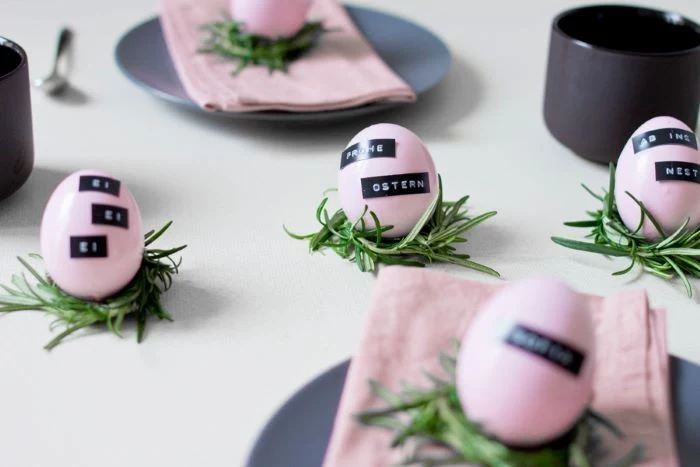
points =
(62, 51)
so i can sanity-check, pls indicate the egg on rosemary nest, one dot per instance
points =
(273, 19)
(526, 363)
(660, 167)
(91, 235)
(387, 169)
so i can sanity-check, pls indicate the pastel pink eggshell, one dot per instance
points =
(518, 397)
(670, 202)
(69, 213)
(271, 18)
(401, 211)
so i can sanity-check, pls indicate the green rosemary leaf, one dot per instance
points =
(590, 247)
(681, 274)
(591, 223)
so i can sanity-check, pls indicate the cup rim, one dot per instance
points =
(5, 42)
(556, 26)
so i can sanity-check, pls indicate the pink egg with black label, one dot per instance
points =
(660, 167)
(526, 363)
(271, 18)
(91, 235)
(387, 169)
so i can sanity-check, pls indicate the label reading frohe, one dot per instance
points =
(94, 246)
(369, 149)
(663, 136)
(105, 214)
(678, 171)
(97, 183)
(395, 185)
(555, 352)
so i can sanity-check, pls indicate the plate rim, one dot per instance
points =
(280, 115)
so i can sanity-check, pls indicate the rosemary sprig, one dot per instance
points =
(442, 434)
(140, 298)
(228, 39)
(675, 254)
(432, 240)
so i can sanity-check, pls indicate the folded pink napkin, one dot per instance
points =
(341, 71)
(415, 313)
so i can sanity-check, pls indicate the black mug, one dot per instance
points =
(611, 68)
(16, 136)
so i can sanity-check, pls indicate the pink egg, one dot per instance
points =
(271, 18)
(387, 168)
(660, 166)
(91, 235)
(525, 367)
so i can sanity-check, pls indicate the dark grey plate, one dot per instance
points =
(298, 434)
(414, 53)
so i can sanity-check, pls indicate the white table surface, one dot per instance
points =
(255, 315)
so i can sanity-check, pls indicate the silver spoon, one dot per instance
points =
(57, 81)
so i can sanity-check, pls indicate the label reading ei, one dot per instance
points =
(369, 149)
(663, 136)
(97, 183)
(547, 348)
(92, 246)
(395, 185)
(105, 214)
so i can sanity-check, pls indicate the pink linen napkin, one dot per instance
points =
(342, 71)
(414, 314)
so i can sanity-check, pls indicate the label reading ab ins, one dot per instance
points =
(395, 185)
(105, 214)
(94, 246)
(547, 348)
(97, 183)
(369, 149)
(663, 136)
(678, 171)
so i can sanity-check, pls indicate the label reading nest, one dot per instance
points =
(553, 351)
(395, 185)
(680, 171)
(88, 247)
(105, 214)
(96, 183)
(663, 136)
(368, 150)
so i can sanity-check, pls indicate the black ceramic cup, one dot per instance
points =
(611, 68)
(16, 139)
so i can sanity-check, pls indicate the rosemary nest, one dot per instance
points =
(140, 299)
(675, 254)
(441, 434)
(432, 240)
(228, 39)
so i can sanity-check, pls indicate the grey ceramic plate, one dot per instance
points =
(298, 434)
(414, 53)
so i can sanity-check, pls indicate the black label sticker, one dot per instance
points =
(94, 246)
(553, 351)
(681, 171)
(96, 183)
(368, 150)
(395, 185)
(664, 136)
(105, 214)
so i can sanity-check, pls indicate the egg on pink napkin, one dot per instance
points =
(526, 364)
(91, 235)
(271, 18)
(660, 166)
(387, 168)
